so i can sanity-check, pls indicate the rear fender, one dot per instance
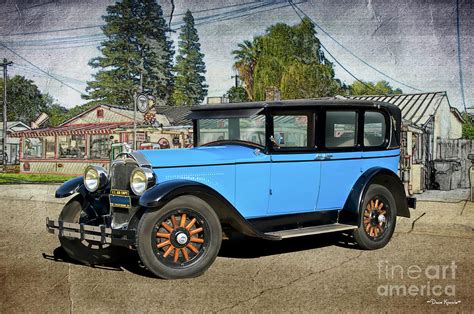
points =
(154, 198)
(350, 214)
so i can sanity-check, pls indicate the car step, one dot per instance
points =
(285, 234)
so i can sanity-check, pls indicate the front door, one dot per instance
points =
(294, 170)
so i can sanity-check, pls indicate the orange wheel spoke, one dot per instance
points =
(163, 235)
(185, 254)
(176, 255)
(376, 203)
(173, 220)
(367, 228)
(381, 205)
(163, 244)
(197, 230)
(166, 226)
(383, 212)
(191, 223)
(376, 231)
(183, 220)
(192, 248)
(168, 251)
(197, 240)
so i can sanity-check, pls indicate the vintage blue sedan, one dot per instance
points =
(271, 170)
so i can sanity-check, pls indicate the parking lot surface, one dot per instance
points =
(311, 274)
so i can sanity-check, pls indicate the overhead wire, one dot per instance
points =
(352, 53)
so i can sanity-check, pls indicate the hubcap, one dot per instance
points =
(375, 221)
(180, 238)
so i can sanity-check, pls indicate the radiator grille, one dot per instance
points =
(120, 175)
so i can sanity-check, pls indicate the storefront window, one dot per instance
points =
(33, 147)
(49, 145)
(100, 147)
(72, 146)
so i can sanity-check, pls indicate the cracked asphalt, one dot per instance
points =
(313, 274)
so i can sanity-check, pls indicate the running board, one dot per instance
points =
(285, 234)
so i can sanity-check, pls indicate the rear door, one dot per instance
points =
(341, 163)
(294, 171)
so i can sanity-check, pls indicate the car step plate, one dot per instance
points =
(291, 233)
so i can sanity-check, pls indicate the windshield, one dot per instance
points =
(250, 129)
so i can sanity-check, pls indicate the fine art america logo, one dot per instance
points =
(436, 282)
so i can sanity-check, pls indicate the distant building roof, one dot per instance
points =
(416, 108)
(14, 124)
(177, 115)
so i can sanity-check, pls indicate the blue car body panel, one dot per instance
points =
(260, 185)
(294, 183)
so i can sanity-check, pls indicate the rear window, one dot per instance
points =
(374, 129)
(341, 129)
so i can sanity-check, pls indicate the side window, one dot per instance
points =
(290, 131)
(374, 129)
(341, 129)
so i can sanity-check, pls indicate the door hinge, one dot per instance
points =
(271, 192)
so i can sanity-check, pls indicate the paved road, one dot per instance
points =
(319, 273)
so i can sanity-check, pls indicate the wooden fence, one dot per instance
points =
(451, 163)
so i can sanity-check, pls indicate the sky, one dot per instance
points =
(411, 44)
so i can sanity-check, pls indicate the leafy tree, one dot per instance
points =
(25, 101)
(191, 87)
(369, 88)
(57, 113)
(467, 127)
(289, 58)
(308, 81)
(136, 52)
(237, 94)
(245, 61)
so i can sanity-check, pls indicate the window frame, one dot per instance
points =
(311, 113)
(322, 130)
(387, 135)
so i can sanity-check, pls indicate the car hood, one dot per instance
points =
(202, 156)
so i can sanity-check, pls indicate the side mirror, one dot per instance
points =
(274, 142)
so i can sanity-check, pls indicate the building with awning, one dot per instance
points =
(94, 137)
(428, 118)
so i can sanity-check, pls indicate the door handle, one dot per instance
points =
(323, 157)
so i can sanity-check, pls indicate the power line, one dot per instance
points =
(458, 30)
(352, 53)
(27, 8)
(334, 58)
(38, 68)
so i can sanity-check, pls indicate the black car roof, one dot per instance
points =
(293, 103)
(242, 109)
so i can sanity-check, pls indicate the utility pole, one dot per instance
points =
(135, 100)
(236, 77)
(5, 65)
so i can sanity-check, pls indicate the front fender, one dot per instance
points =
(68, 188)
(162, 193)
(350, 214)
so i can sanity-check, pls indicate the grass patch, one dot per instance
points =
(12, 178)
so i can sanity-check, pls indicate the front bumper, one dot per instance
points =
(101, 234)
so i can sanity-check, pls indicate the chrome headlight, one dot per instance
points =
(141, 179)
(95, 177)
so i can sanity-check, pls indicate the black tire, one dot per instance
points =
(86, 252)
(373, 233)
(180, 261)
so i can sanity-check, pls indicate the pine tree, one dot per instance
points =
(191, 87)
(136, 54)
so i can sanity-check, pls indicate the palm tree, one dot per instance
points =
(245, 61)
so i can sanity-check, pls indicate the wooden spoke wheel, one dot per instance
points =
(378, 217)
(375, 218)
(180, 237)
